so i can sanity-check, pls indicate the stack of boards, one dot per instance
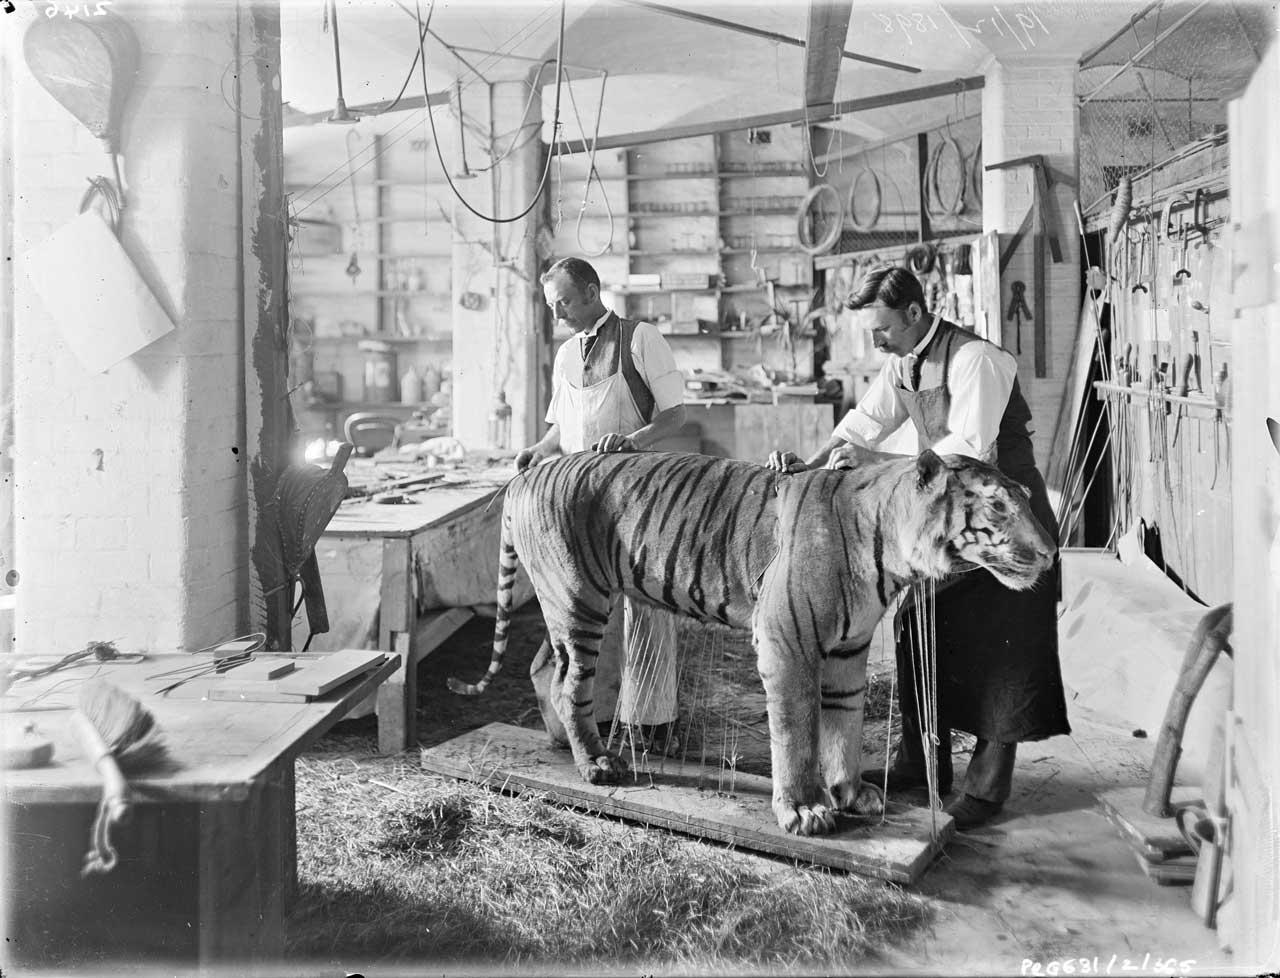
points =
(280, 679)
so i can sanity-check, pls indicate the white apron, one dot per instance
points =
(636, 672)
(587, 414)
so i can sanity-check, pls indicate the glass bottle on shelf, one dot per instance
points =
(500, 423)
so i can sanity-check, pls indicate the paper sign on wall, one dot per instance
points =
(93, 292)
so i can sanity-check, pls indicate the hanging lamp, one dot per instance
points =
(339, 115)
(465, 173)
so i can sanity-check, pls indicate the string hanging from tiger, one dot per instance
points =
(809, 563)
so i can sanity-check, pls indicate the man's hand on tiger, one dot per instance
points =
(845, 457)
(614, 442)
(785, 462)
(527, 457)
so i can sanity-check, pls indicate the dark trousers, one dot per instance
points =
(990, 773)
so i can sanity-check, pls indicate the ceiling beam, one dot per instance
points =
(823, 46)
(730, 25)
(813, 114)
(889, 138)
(293, 117)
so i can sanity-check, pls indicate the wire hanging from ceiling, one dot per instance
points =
(516, 142)
(591, 169)
(412, 120)
(546, 169)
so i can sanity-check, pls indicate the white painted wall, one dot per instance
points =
(130, 494)
(1028, 108)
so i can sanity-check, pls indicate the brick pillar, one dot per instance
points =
(496, 348)
(131, 484)
(1028, 108)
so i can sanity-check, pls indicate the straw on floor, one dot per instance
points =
(397, 866)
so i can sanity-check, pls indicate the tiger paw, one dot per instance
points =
(603, 769)
(858, 798)
(815, 819)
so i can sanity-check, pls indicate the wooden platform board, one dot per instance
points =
(685, 798)
(1155, 840)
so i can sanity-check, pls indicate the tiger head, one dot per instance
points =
(976, 515)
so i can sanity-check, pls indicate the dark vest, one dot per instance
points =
(930, 408)
(610, 352)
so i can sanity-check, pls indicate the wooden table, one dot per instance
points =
(422, 565)
(208, 858)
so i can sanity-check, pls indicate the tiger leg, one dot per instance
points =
(791, 697)
(575, 637)
(843, 700)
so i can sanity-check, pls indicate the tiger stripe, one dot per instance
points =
(809, 562)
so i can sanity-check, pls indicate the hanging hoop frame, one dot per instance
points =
(869, 224)
(802, 213)
(944, 209)
(975, 173)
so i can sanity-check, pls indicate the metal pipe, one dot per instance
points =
(815, 114)
(1145, 50)
(757, 32)
(1090, 55)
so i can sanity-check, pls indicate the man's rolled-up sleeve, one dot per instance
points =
(657, 365)
(877, 415)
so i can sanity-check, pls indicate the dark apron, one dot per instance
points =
(997, 649)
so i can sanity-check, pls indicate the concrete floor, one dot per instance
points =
(1050, 878)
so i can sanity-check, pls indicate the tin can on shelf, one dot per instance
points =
(381, 383)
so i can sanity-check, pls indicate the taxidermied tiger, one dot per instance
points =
(808, 562)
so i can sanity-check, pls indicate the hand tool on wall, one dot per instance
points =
(1042, 214)
(1222, 400)
(1017, 309)
(1184, 379)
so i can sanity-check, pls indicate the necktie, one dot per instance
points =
(914, 362)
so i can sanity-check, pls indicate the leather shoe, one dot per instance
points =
(904, 776)
(970, 812)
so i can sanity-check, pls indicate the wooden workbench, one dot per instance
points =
(419, 568)
(208, 857)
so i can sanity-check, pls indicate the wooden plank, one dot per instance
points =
(433, 629)
(925, 232)
(798, 426)
(261, 669)
(396, 606)
(1180, 871)
(397, 699)
(813, 115)
(828, 27)
(1153, 839)
(219, 747)
(439, 505)
(259, 692)
(327, 673)
(241, 889)
(1039, 328)
(685, 799)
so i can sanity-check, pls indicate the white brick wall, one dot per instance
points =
(1029, 109)
(480, 357)
(129, 498)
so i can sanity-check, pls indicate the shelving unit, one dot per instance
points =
(403, 296)
(718, 181)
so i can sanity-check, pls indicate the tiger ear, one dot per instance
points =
(928, 465)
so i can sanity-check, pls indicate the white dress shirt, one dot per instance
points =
(650, 352)
(980, 378)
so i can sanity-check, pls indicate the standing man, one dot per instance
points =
(997, 649)
(615, 388)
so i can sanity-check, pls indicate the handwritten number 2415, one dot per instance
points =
(71, 9)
